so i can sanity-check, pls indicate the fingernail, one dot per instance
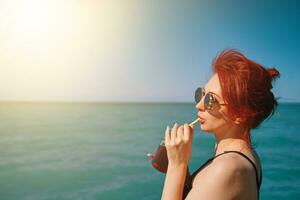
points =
(168, 128)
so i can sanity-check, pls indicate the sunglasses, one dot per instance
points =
(210, 101)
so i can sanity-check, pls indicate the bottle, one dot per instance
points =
(160, 160)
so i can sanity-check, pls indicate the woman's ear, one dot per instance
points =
(239, 120)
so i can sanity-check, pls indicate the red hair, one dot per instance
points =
(246, 87)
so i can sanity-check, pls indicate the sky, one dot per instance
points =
(139, 50)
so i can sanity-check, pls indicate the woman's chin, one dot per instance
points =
(205, 129)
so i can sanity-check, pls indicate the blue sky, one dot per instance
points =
(146, 50)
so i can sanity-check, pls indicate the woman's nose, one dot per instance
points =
(200, 105)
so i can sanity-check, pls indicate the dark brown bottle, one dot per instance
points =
(160, 160)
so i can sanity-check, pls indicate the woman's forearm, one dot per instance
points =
(174, 182)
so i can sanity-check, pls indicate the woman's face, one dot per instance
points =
(215, 120)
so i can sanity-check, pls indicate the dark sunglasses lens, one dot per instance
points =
(207, 101)
(198, 95)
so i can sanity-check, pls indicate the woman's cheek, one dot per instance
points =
(209, 125)
(206, 127)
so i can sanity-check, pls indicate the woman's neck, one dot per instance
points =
(231, 139)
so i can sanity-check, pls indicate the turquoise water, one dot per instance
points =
(60, 151)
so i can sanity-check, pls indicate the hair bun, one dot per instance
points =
(274, 73)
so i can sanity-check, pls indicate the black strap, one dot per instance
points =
(252, 163)
(189, 182)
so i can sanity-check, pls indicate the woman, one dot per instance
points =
(236, 99)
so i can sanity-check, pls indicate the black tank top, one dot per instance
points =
(189, 179)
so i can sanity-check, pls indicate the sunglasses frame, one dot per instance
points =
(210, 102)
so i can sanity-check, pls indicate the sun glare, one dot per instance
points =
(32, 16)
(51, 45)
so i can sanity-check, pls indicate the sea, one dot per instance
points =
(98, 151)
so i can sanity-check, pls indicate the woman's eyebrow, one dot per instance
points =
(216, 94)
(211, 92)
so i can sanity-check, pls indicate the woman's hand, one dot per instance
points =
(178, 143)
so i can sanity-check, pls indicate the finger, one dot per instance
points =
(187, 132)
(167, 135)
(180, 133)
(174, 132)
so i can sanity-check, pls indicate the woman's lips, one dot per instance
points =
(201, 120)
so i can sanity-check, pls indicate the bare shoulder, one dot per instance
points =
(229, 176)
(232, 163)
(230, 169)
